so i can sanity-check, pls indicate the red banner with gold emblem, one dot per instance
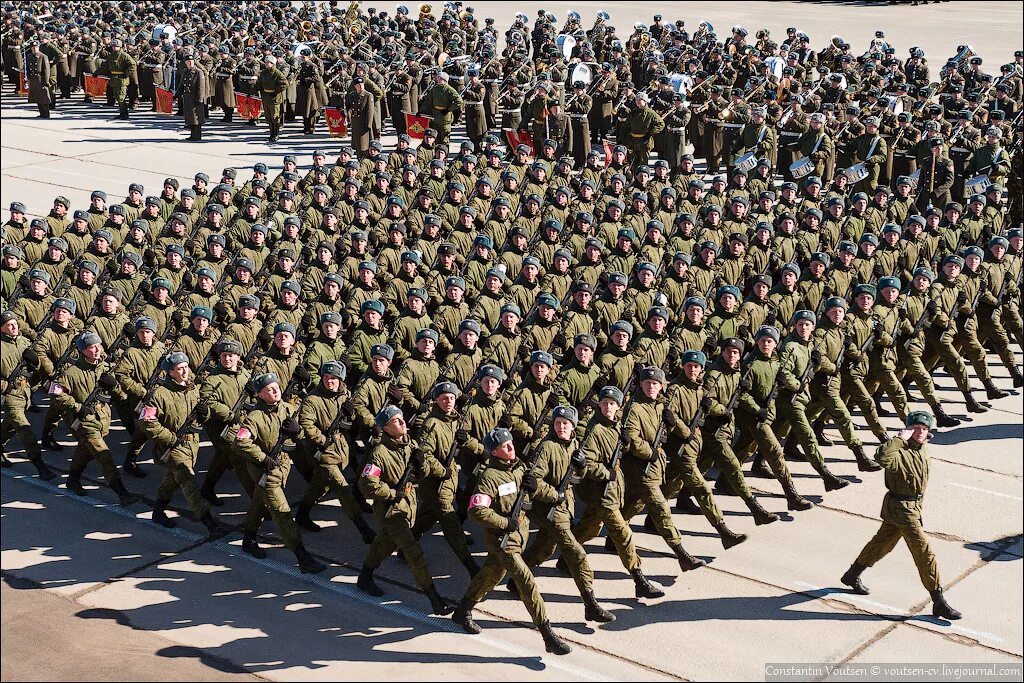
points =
(164, 101)
(519, 137)
(337, 124)
(608, 149)
(22, 84)
(96, 86)
(416, 125)
(249, 108)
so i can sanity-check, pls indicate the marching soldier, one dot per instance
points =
(906, 463)
(270, 85)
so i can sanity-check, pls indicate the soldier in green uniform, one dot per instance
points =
(223, 391)
(801, 356)
(70, 392)
(644, 464)
(270, 86)
(258, 436)
(906, 463)
(172, 419)
(756, 412)
(444, 104)
(389, 478)
(436, 493)
(556, 463)
(17, 391)
(602, 489)
(642, 124)
(506, 482)
(122, 72)
(872, 150)
(325, 416)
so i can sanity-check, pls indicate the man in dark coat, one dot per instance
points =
(192, 91)
(37, 73)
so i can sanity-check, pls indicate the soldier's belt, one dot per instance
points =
(117, 73)
(637, 135)
(152, 66)
(577, 116)
(910, 499)
(507, 111)
(676, 130)
(220, 75)
(474, 104)
(270, 92)
(490, 80)
(248, 78)
(440, 108)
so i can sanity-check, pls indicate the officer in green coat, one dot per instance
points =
(642, 125)
(121, 66)
(259, 435)
(493, 505)
(444, 104)
(172, 420)
(270, 86)
(906, 463)
(396, 466)
(602, 489)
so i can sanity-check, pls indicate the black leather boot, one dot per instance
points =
(686, 505)
(943, 419)
(366, 583)
(303, 520)
(852, 579)
(131, 467)
(160, 514)
(761, 516)
(942, 609)
(307, 563)
(729, 538)
(993, 392)
(794, 501)
(552, 643)
(819, 433)
(686, 560)
(45, 473)
(438, 605)
(213, 529)
(367, 533)
(124, 496)
(210, 495)
(644, 588)
(463, 616)
(972, 404)
(251, 546)
(74, 483)
(864, 463)
(593, 611)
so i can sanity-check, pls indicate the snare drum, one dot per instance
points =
(857, 173)
(976, 185)
(801, 167)
(746, 163)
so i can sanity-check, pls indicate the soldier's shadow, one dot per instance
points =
(273, 624)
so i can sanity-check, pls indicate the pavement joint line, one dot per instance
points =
(341, 589)
(976, 467)
(986, 491)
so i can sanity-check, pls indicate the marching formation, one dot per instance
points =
(557, 328)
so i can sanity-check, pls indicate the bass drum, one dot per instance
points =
(581, 72)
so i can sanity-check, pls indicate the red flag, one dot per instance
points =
(416, 125)
(517, 137)
(96, 86)
(249, 108)
(22, 84)
(337, 124)
(164, 101)
(607, 153)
